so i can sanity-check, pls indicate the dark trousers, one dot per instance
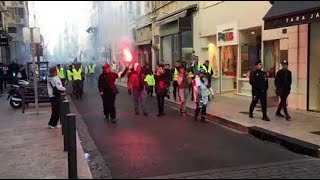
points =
(203, 110)
(1, 85)
(108, 105)
(150, 91)
(256, 96)
(160, 100)
(63, 81)
(175, 88)
(55, 111)
(191, 91)
(78, 88)
(283, 104)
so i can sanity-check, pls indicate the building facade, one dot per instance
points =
(232, 42)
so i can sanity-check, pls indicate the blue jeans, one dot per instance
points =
(139, 98)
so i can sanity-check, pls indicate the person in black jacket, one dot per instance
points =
(161, 89)
(108, 90)
(283, 82)
(259, 83)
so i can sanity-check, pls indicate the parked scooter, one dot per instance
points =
(15, 96)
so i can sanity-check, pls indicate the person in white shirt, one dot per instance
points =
(200, 85)
(55, 88)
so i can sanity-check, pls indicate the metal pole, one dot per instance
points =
(65, 125)
(34, 75)
(72, 150)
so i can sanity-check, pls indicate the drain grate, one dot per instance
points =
(316, 132)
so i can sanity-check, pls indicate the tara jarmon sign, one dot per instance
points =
(291, 20)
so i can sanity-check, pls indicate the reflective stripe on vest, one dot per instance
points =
(77, 74)
(199, 66)
(61, 74)
(69, 75)
(190, 75)
(92, 69)
(209, 69)
(175, 75)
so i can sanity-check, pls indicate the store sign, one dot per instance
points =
(227, 34)
(297, 19)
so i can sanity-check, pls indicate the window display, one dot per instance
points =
(271, 57)
(229, 56)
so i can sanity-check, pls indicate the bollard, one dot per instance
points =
(66, 111)
(72, 149)
(61, 111)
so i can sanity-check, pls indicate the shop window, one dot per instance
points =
(229, 60)
(271, 57)
(176, 48)
(249, 55)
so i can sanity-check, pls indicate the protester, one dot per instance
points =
(138, 88)
(161, 89)
(150, 83)
(175, 72)
(108, 90)
(183, 89)
(168, 78)
(201, 95)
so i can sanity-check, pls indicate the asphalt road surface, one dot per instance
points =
(138, 146)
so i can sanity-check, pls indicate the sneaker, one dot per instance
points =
(51, 127)
(184, 113)
(113, 121)
(288, 118)
(58, 126)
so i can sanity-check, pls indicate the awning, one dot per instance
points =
(176, 15)
(290, 13)
(143, 43)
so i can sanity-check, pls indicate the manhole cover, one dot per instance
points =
(316, 132)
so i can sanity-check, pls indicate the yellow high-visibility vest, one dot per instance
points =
(77, 75)
(92, 69)
(69, 75)
(150, 80)
(209, 70)
(61, 74)
(175, 74)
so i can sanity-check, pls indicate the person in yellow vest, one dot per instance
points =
(209, 73)
(175, 75)
(150, 80)
(91, 73)
(69, 80)
(78, 77)
(61, 74)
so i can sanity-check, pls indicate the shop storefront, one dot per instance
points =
(296, 30)
(227, 43)
(176, 36)
(143, 44)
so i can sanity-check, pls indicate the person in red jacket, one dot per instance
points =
(108, 90)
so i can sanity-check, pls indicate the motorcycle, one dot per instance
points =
(15, 96)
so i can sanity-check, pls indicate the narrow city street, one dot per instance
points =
(139, 147)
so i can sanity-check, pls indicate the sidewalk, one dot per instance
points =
(30, 150)
(232, 111)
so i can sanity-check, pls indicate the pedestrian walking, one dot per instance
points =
(78, 78)
(61, 74)
(138, 89)
(91, 74)
(259, 82)
(55, 88)
(191, 77)
(69, 81)
(283, 82)
(108, 91)
(150, 82)
(183, 89)
(200, 85)
(161, 89)
(175, 72)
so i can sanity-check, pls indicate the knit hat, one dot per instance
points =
(257, 62)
